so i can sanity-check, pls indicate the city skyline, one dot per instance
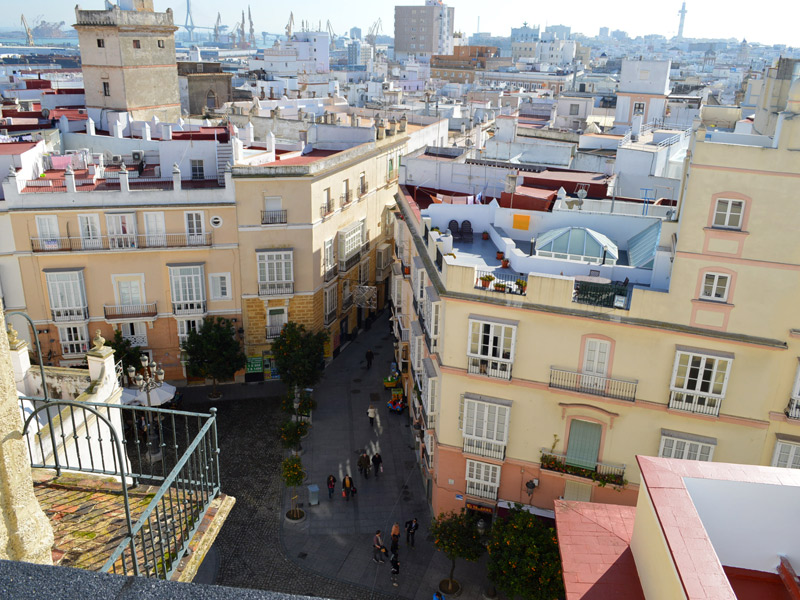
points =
(702, 20)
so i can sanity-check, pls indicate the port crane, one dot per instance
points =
(28, 32)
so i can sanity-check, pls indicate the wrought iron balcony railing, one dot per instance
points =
(349, 262)
(500, 369)
(620, 389)
(331, 272)
(346, 198)
(126, 241)
(275, 288)
(273, 217)
(608, 295)
(604, 472)
(121, 312)
(695, 402)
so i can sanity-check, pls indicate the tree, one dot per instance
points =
(298, 356)
(523, 557)
(456, 535)
(125, 351)
(293, 474)
(213, 351)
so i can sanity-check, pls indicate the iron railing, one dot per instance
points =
(596, 385)
(346, 198)
(275, 288)
(695, 402)
(608, 295)
(347, 302)
(439, 259)
(499, 369)
(76, 313)
(130, 311)
(273, 217)
(484, 448)
(196, 307)
(793, 409)
(330, 316)
(326, 209)
(499, 282)
(331, 272)
(349, 262)
(482, 489)
(596, 471)
(174, 450)
(138, 340)
(273, 331)
(363, 188)
(126, 241)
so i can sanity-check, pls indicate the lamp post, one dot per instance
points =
(151, 377)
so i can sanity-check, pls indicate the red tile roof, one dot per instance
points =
(594, 541)
(14, 148)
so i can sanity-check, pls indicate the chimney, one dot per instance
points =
(380, 129)
(403, 124)
(166, 132)
(392, 126)
(636, 127)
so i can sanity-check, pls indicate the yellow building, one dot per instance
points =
(607, 333)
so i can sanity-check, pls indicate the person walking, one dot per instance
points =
(395, 538)
(347, 487)
(395, 568)
(331, 486)
(363, 465)
(371, 412)
(377, 547)
(377, 463)
(411, 530)
(370, 357)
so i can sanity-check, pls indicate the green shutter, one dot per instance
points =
(584, 444)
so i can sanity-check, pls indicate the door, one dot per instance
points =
(583, 446)
(121, 231)
(130, 292)
(154, 230)
(90, 231)
(194, 229)
(595, 364)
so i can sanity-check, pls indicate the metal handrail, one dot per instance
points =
(602, 468)
(597, 385)
(123, 311)
(273, 217)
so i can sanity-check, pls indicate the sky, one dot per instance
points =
(767, 21)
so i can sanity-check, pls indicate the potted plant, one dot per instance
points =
(500, 287)
(485, 235)
(521, 285)
(436, 229)
(500, 255)
(505, 263)
(486, 280)
(291, 432)
(293, 474)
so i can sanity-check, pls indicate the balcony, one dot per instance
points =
(127, 312)
(275, 288)
(330, 316)
(180, 309)
(330, 273)
(363, 188)
(365, 248)
(121, 242)
(602, 472)
(326, 210)
(793, 409)
(498, 369)
(607, 295)
(346, 198)
(136, 340)
(273, 217)
(620, 389)
(496, 281)
(347, 302)
(482, 490)
(485, 448)
(273, 331)
(77, 313)
(392, 176)
(696, 403)
(349, 262)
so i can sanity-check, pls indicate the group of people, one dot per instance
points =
(379, 550)
(365, 464)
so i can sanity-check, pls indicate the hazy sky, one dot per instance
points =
(767, 21)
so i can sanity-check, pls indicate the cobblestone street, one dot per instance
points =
(328, 555)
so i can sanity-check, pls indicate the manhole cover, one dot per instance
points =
(356, 381)
(355, 391)
(302, 555)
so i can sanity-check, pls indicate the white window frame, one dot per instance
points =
(74, 340)
(187, 288)
(121, 229)
(128, 278)
(673, 446)
(792, 459)
(489, 359)
(135, 332)
(277, 317)
(89, 228)
(350, 241)
(485, 427)
(275, 271)
(224, 287)
(67, 294)
(183, 329)
(155, 230)
(722, 208)
(198, 168)
(191, 219)
(690, 396)
(330, 300)
(577, 492)
(483, 479)
(47, 228)
(363, 272)
(710, 290)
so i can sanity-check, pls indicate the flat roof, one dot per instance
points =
(14, 148)
(306, 159)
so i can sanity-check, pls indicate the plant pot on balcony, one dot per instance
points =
(500, 255)
(505, 263)
(499, 287)
(406, 270)
(485, 235)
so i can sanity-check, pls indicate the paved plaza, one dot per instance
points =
(330, 553)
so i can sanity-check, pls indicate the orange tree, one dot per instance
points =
(523, 557)
(293, 474)
(456, 536)
(299, 356)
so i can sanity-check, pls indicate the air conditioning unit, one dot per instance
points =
(137, 156)
(116, 159)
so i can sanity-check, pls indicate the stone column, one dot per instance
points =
(25, 531)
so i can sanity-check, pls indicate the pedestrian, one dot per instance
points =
(347, 487)
(363, 465)
(331, 486)
(369, 356)
(378, 548)
(411, 530)
(371, 412)
(395, 568)
(395, 538)
(377, 463)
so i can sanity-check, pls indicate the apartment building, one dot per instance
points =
(422, 31)
(314, 244)
(602, 334)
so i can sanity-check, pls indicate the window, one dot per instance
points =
(194, 228)
(185, 326)
(47, 227)
(688, 447)
(121, 230)
(574, 109)
(699, 382)
(327, 206)
(275, 273)
(129, 290)
(362, 184)
(346, 197)
(188, 291)
(89, 226)
(154, 230)
(160, 43)
(67, 293)
(580, 492)
(483, 479)
(330, 299)
(135, 332)
(728, 214)
(101, 43)
(595, 363)
(363, 272)
(74, 340)
(583, 446)
(350, 241)
(786, 455)
(137, 44)
(491, 348)
(220, 286)
(715, 287)
(276, 319)
(106, 89)
(638, 108)
(197, 169)
(485, 428)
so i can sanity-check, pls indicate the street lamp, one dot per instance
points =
(151, 377)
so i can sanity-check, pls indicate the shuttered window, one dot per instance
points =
(584, 444)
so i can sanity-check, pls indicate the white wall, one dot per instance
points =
(644, 76)
(536, 151)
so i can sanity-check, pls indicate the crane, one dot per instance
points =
(217, 28)
(252, 28)
(332, 34)
(290, 26)
(242, 37)
(28, 33)
(374, 32)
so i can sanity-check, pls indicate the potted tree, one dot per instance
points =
(456, 535)
(500, 255)
(521, 285)
(486, 280)
(293, 474)
(505, 263)
(214, 352)
(291, 432)
(485, 235)
(500, 287)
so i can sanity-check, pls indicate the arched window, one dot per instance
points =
(211, 99)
